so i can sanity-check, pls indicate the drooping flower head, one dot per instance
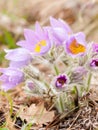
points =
(38, 41)
(61, 81)
(18, 57)
(30, 84)
(76, 44)
(60, 31)
(10, 78)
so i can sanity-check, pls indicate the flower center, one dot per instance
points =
(76, 48)
(61, 81)
(39, 45)
(95, 62)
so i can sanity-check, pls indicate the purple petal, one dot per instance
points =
(65, 26)
(54, 22)
(11, 71)
(22, 43)
(60, 23)
(19, 54)
(18, 64)
(60, 35)
(30, 36)
(95, 47)
(27, 45)
(4, 78)
(11, 77)
(38, 30)
(80, 37)
(7, 86)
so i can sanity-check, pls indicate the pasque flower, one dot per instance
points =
(40, 80)
(76, 44)
(10, 78)
(61, 81)
(38, 41)
(60, 30)
(18, 57)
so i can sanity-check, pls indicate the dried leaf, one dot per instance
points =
(36, 114)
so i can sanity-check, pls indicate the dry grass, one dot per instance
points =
(20, 14)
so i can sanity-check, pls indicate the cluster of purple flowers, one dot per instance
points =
(40, 42)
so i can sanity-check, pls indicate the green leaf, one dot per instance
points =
(9, 40)
(4, 129)
(2, 54)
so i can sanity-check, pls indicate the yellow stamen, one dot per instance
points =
(37, 48)
(42, 43)
(39, 45)
(76, 48)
